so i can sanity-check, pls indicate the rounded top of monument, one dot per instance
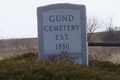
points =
(62, 6)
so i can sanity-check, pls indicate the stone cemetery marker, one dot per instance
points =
(62, 28)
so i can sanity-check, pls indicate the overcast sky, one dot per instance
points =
(18, 17)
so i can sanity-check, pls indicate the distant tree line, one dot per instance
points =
(25, 43)
(111, 34)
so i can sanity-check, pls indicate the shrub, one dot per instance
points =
(27, 67)
(107, 66)
(28, 55)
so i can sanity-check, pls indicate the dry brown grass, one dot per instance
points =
(6, 53)
(111, 54)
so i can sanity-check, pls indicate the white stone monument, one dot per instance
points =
(62, 28)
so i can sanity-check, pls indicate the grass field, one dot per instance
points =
(111, 54)
(8, 52)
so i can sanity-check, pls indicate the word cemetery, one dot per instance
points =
(62, 28)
